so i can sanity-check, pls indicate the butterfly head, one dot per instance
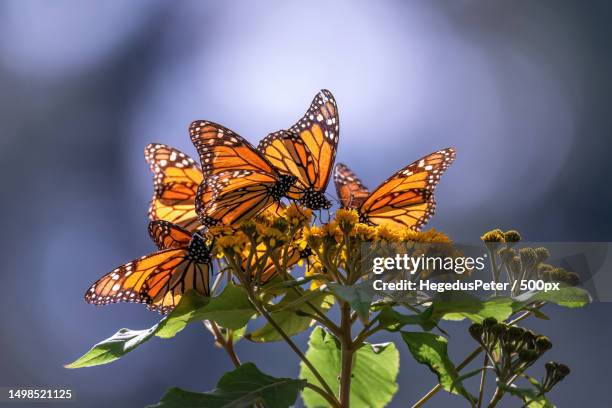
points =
(199, 251)
(315, 200)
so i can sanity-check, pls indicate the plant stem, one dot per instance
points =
(332, 401)
(470, 358)
(496, 397)
(346, 350)
(483, 378)
(228, 346)
(438, 387)
(293, 346)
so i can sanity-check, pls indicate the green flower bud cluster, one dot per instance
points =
(551, 274)
(510, 348)
(555, 372)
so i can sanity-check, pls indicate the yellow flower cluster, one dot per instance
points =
(333, 250)
(296, 216)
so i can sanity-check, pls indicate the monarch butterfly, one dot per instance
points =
(307, 151)
(239, 182)
(176, 178)
(176, 173)
(404, 199)
(161, 278)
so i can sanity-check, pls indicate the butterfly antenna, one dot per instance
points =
(332, 198)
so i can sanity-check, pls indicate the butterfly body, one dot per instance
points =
(282, 186)
(314, 200)
(198, 251)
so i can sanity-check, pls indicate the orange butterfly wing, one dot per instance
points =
(176, 178)
(349, 188)
(240, 183)
(221, 149)
(125, 283)
(308, 149)
(158, 279)
(406, 198)
(167, 235)
(231, 197)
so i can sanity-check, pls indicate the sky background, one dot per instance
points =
(521, 89)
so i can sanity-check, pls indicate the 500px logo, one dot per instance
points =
(412, 264)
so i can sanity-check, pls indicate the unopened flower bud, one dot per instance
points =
(506, 254)
(542, 254)
(551, 367)
(543, 344)
(557, 274)
(562, 371)
(528, 257)
(515, 333)
(529, 338)
(512, 236)
(515, 265)
(476, 331)
(571, 278)
(498, 330)
(489, 322)
(528, 356)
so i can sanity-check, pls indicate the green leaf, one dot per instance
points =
(231, 309)
(183, 314)
(392, 320)
(288, 318)
(460, 305)
(359, 296)
(295, 302)
(113, 348)
(431, 350)
(529, 396)
(240, 388)
(567, 296)
(375, 369)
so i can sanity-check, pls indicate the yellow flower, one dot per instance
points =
(346, 219)
(298, 216)
(431, 235)
(314, 268)
(331, 230)
(232, 243)
(249, 228)
(221, 230)
(364, 232)
(313, 236)
(271, 236)
(388, 234)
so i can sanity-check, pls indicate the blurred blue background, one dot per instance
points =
(522, 89)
